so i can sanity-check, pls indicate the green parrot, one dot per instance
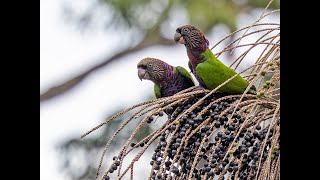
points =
(208, 70)
(168, 80)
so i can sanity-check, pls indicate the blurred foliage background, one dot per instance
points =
(144, 23)
(140, 24)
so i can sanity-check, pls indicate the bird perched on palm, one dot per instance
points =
(208, 70)
(168, 80)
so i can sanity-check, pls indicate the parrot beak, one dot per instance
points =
(179, 38)
(142, 73)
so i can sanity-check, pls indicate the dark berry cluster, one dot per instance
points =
(217, 128)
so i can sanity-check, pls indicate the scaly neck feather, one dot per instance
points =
(195, 56)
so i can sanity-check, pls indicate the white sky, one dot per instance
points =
(63, 52)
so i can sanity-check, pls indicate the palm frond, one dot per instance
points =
(209, 134)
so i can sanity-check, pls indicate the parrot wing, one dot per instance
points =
(213, 73)
(186, 74)
(157, 92)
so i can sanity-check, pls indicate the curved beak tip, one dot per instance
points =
(141, 73)
(178, 38)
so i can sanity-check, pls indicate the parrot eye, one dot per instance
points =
(149, 65)
(186, 30)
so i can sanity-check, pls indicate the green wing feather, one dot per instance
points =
(213, 73)
(157, 92)
(185, 73)
(181, 71)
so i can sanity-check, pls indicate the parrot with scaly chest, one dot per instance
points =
(208, 70)
(168, 80)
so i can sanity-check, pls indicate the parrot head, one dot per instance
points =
(191, 37)
(151, 69)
